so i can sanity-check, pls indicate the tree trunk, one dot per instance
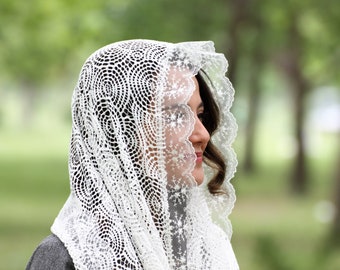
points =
(242, 15)
(335, 233)
(291, 63)
(299, 172)
(300, 88)
(250, 129)
(238, 8)
(257, 63)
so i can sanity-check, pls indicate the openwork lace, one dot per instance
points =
(134, 203)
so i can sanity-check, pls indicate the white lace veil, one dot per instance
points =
(134, 203)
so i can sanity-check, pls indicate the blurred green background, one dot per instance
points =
(284, 63)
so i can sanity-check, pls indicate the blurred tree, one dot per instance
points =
(290, 56)
(286, 34)
(40, 39)
(239, 18)
(311, 48)
(173, 20)
(25, 52)
(324, 57)
(257, 60)
(291, 63)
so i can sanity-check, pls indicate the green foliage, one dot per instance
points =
(174, 20)
(41, 38)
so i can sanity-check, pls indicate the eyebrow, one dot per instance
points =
(173, 106)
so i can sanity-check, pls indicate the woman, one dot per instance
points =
(141, 198)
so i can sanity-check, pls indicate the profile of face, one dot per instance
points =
(186, 136)
(199, 136)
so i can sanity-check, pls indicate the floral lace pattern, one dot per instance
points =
(134, 203)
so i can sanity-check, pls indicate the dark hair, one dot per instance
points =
(211, 120)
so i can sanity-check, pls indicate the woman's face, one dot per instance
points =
(199, 136)
(181, 154)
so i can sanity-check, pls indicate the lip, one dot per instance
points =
(199, 157)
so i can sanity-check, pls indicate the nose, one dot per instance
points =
(199, 136)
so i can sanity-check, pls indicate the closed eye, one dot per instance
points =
(201, 116)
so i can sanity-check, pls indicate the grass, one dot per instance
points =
(276, 229)
(33, 187)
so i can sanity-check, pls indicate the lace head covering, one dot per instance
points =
(134, 202)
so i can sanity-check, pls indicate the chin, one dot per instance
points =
(199, 181)
(199, 177)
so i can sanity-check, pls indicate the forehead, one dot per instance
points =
(180, 84)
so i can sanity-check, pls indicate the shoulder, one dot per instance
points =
(50, 254)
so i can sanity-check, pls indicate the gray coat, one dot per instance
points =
(51, 254)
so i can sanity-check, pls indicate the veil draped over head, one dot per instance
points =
(134, 203)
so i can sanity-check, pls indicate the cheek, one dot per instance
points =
(179, 158)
